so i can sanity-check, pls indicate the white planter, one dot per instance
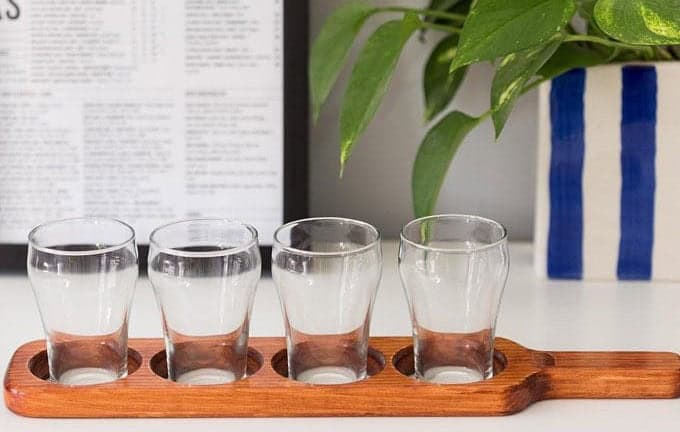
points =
(608, 179)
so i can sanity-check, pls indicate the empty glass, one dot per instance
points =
(453, 269)
(204, 273)
(83, 273)
(327, 272)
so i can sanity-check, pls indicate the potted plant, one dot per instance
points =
(600, 220)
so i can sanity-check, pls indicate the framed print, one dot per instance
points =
(151, 111)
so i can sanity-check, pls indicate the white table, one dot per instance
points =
(539, 314)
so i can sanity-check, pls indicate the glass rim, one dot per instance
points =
(280, 245)
(454, 216)
(252, 241)
(94, 251)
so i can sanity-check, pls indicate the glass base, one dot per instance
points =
(87, 376)
(327, 375)
(452, 375)
(206, 376)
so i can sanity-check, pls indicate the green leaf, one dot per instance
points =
(640, 22)
(331, 48)
(513, 73)
(370, 79)
(440, 87)
(434, 158)
(571, 56)
(495, 28)
(586, 10)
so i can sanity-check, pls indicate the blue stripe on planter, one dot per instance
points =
(638, 151)
(565, 234)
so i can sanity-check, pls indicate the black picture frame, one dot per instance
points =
(295, 136)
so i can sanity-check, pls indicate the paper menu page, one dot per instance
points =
(144, 110)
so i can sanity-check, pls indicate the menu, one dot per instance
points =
(144, 110)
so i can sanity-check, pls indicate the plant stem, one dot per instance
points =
(615, 53)
(675, 51)
(663, 54)
(602, 41)
(428, 12)
(440, 27)
(485, 115)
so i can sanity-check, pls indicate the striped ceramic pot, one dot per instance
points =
(608, 195)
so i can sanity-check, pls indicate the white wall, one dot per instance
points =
(492, 179)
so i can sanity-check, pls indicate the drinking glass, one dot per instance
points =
(327, 272)
(83, 273)
(453, 269)
(204, 273)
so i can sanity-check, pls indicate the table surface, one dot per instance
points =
(541, 314)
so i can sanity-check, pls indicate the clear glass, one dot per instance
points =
(453, 269)
(204, 274)
(83, 273)
(327, 272)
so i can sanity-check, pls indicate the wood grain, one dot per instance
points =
(523, 376)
